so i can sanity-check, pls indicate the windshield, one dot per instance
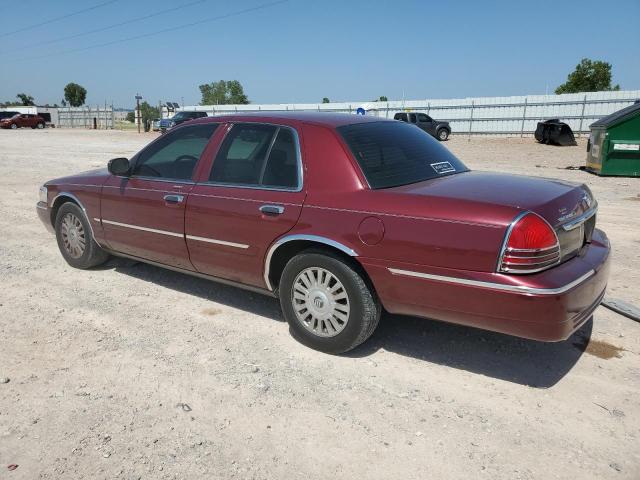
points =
(391, 154)
(184, 115)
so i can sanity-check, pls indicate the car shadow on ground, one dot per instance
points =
(526, 362)
(230, 296)
(513, 359)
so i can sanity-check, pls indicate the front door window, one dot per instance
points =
(174, 156)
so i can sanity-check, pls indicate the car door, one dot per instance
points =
(23, 120)
(143, 214)
(252, 195)
(426, 123)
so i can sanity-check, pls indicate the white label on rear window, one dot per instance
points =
(626, 146)
(443, 167)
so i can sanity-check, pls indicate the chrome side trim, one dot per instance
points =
(144, 229)
(576, 222)
(219, 242)
(291, 238)
(505, 240)
(493, 285)
(173, 234)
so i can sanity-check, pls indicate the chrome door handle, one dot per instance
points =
(272, 209)
(173, 198)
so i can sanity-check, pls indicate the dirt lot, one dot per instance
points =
(130, 371)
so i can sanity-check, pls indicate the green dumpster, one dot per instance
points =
(614, 144)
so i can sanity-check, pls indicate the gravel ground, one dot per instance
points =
(130, 371)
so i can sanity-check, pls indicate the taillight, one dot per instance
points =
(531, 245)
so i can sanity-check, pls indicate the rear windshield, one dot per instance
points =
(396, 153)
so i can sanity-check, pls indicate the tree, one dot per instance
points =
(589, 76)
(384, 99)
(75, 94)
(147, 112)
(325, 100)
(27, 100)
(131, 117)
(223, 92)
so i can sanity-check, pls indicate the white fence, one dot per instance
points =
(72, 117)
(86, 117)
(482, 115)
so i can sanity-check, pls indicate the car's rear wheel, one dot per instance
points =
(443, 134)
(75, 240)
(328, 304)
(40, 126)
(13, 126)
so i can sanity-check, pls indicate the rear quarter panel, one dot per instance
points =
(338, 202)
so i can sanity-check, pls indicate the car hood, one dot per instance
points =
(492, 196)
(91, 177)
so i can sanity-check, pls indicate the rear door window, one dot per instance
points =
(258, 155)
(281, 169)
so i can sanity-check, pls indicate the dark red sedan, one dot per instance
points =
(23, 120)
(341, 216)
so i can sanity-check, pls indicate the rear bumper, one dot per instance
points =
(44, 212)
(547, 306)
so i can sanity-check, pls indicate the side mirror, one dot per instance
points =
(119, 166)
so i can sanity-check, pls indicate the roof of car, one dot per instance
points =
(318, 118)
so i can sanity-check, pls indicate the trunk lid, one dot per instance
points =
(568, 207)
(557, 201)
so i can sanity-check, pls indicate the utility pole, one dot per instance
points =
(138, 118)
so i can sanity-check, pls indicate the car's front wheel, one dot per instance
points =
(443, 134)
(75, 240)
(328, 304)
(13, 126)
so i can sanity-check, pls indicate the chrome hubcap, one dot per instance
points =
(73, 237)
(320, 301)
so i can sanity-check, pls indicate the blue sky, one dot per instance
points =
(301, 51)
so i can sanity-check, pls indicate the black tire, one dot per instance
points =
(443, 134)
(40, 126)
(365, 309)
(92, 255)
(13, 126)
